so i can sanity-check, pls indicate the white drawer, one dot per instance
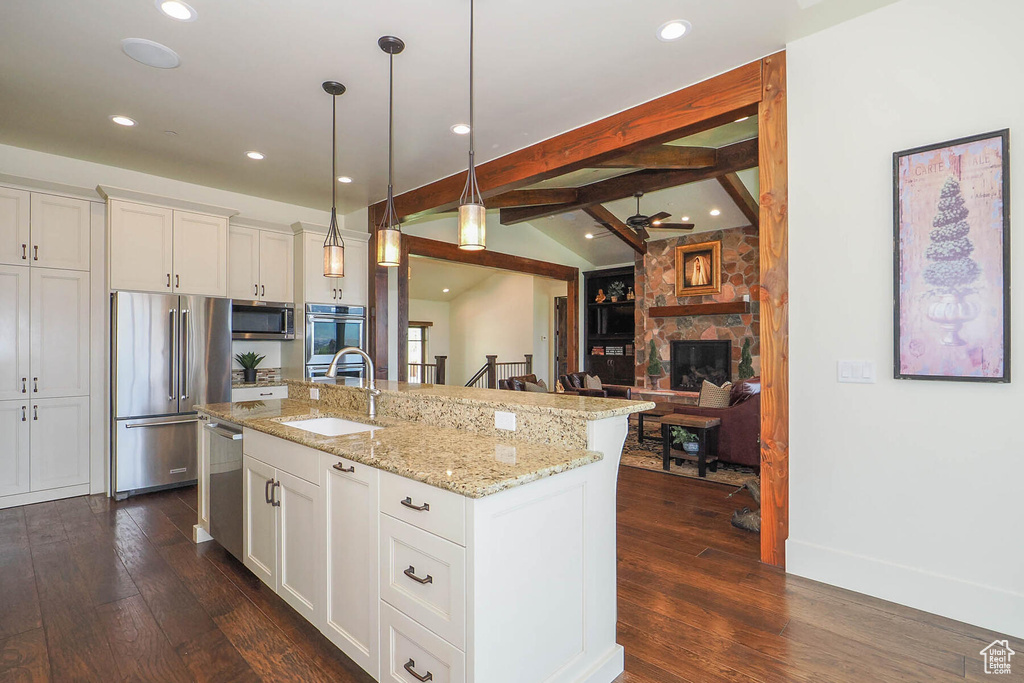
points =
(425, 577)
(258, 393)
(427, 507)
(287, 456)
(404, 643)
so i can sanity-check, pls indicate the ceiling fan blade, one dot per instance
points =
(660, 216)
(671, 226)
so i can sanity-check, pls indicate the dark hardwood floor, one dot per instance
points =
(92, 590)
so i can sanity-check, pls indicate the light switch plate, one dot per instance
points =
(314, 393)
(855, 371)
(504, 420)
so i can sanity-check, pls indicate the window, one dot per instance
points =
(417, 350)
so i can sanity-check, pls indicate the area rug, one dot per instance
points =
(647, 456)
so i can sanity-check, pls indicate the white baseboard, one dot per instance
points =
(43, 496)
(607, 669)
(991, 608)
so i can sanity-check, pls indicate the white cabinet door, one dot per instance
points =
(353, 285)
(14, 222)
(243, 263)
(259, 530)
(200, 254)
(350, 618)
(59, 442)
(276, 267)
(60, 333)
(319, 289)
(14, 455)
(60, 232)
(141, 247)
(300, 542)
(14, 332)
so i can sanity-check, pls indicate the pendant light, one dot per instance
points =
(334, 245)
(389, 232)
(472, 214)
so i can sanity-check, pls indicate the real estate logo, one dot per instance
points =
(997, 657)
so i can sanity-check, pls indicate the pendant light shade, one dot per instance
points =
(389, 231)
(472, 213)
(334, 245)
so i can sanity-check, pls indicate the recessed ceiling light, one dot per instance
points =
(461, 129)
(123, 121)
(742, 119)
(150, 53)
(255, 156)
(446, 290)
(589, 235)
(684, 219)
(344, 179)
(176, 9)
(715, 212)
(673, 30)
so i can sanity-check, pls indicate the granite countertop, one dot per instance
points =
(258, 384)
(468, 463)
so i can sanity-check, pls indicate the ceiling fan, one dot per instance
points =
(656, 222)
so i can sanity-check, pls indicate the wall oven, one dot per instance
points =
(329, 328)
(262, 320)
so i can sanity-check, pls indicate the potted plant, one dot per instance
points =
(249, 362)
(685, 439)
(654, 368)
(746, 368)
(616, 290)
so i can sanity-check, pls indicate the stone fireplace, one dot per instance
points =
(693, 361)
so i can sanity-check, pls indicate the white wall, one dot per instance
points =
(544, 293)
(436, 312)
(906, 490)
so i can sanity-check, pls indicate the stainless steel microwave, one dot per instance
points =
(262, 320)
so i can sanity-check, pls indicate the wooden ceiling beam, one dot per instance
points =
(732, 158)
(616, 227)
(669, 157)
(541, 197)
(739, 193)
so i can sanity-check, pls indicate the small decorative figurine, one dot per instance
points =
(600, 296)
(630, 296)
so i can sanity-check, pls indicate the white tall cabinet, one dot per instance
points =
(45, 342)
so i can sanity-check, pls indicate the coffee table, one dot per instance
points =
(706, 429)
(657, 412)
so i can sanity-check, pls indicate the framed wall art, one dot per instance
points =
(952, 260)
(699, 269)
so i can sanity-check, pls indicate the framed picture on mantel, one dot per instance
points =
(699, 269)
(952, 260)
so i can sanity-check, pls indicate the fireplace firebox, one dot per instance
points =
(692, 362)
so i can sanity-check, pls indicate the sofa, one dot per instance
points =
(575, 383)
(517, 383)
(739, 437)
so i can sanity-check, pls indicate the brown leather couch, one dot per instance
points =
(739, 437)
(574, 383)
(517, 383)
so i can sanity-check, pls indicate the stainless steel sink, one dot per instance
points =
(331, 426)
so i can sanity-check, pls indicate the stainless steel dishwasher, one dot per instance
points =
(225, 448)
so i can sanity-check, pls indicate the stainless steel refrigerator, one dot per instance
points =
(169, 354)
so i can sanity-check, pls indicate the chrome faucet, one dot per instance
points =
(372, 392)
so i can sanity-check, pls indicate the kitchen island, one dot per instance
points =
(429, 542)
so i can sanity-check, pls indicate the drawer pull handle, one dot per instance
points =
(341, 468)
(266, 393)
(409, 667)
(419, 508)
(411, 573)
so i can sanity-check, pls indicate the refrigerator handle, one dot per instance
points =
(184, 354)
(170, 356)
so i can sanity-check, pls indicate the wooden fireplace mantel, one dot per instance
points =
(699, 309)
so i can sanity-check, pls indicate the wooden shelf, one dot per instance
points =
(628, 302)
(727, 308)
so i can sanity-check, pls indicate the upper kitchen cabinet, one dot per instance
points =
(161, 249)
(260, 266)
(200, 254)
(44, 230)
(14, 226)
(317, 289)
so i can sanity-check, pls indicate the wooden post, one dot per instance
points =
(492, 372)
(439, 372)
(774, 298)
(529, 364)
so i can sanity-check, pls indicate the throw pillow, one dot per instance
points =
(712, 396)
(559, 389)
(592, 382)
(539, 387)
